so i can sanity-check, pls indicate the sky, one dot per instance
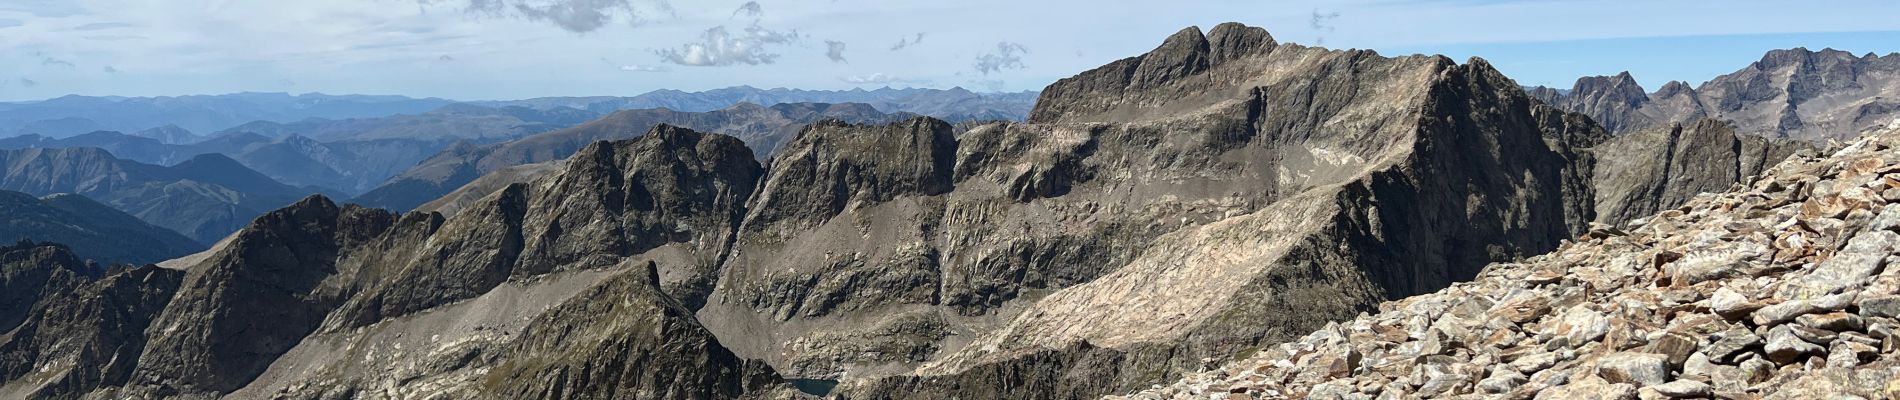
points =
(510, 49)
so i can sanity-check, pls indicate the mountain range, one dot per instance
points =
(1224, 216)
(955, 104)
(317, 114)
(205, 198)
(1795, 93)
(762, 128)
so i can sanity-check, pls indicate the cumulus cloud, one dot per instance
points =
(445, 58)
(28, 82)
(579, 16)
(880, 79)
(1006, 56)
(834, 50)
(749, 9)
(109, 69)
(718, 47)
(642, 68)
(907, 42)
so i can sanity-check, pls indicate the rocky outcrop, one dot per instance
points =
(1780, 289)
(1613, 101)
(762, 128)
(68, 328)
(1641, 173)
(623, 339)
(236, 312)
(95, 231)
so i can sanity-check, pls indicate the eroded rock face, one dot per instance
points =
(1382, 177)
(622, 339)
(237, 311)
(1778, 327)
(1643, 172)
(1795, 94)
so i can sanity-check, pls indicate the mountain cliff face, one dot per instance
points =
(762, 128)
(1353, 178)
(1782, 288)
(68, 328)
(1199, 203)
(1641, 173)
(96, 230)
(1796, 93)
(274, 311)
(205, 198)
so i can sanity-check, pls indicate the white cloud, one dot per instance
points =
(880, 79)
(580, 16)
(642, 68)
(717, 48)
(1007, 55)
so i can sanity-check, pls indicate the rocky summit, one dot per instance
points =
(1784, 288)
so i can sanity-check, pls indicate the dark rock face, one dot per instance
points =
(253, 300)
(623, 339)
(83, 331)
(1644, 172)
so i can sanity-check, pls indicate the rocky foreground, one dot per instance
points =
(1780, 289)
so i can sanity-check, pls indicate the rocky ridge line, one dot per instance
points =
(1782, 289)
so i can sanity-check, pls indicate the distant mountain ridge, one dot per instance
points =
(93, 230)
(955, 104)
(204, 198)
(1794, 93)
(762, 128)
(74, 115)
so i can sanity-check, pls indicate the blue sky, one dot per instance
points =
(499, 49)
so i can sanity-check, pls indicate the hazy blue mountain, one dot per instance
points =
(92, 229)
(955, 104)
(73, 115)
(205, 197)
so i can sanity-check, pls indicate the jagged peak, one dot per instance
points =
(1619, 82)
(1232, 40)
(1674, 88)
